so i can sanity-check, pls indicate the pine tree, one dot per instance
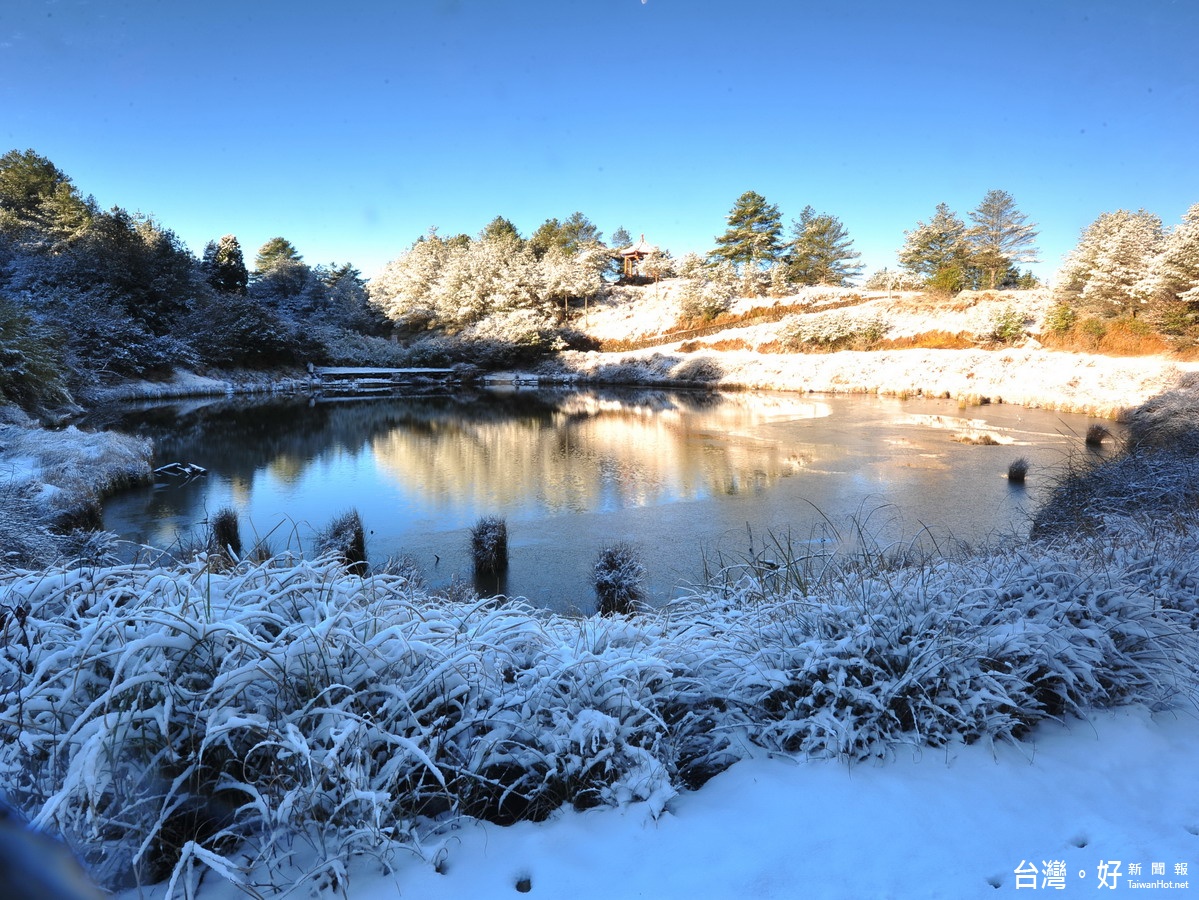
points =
(223, 265)
(35, 194)
(1115, 261)
(273, 253)
(1001, 237)
(499, 227)
(754, 233)
(938, 250)
(404, 289)
(576, 232)
(621, 238)
(1177, 268)
(821, 251)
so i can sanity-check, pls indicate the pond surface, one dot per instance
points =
(684, 476)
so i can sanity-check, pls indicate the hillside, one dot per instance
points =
(975, 368)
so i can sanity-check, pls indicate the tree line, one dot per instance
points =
(89, 296)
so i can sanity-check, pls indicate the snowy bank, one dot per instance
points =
(1025, 374)
(52, 481)
(189, 384)
(1070, 382)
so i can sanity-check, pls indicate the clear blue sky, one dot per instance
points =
(350, 128)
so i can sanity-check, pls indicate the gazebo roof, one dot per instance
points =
(641, 248)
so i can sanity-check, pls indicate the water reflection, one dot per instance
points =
(681, 474)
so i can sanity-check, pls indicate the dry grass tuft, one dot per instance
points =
(930, 340)
(1017, 470)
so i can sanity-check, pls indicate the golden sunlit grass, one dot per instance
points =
(1117, 337)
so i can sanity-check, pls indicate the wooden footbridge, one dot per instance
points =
(368, 380)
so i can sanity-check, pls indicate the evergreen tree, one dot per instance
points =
(938, 250)
(35, 195)
(1001, 236)
(821, 251)
(404, 289)
(576, 232)
(621, 238)
(1115, 262)
(1177, 268)
(754, 233)
(223, 266)
(499, 227)
(273, 253)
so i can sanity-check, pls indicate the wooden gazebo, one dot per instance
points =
(633, 255)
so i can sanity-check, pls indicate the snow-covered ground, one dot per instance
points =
(632, 312)
(1116, 794)
(1025, 375)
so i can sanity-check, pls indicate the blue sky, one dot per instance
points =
(352, 128)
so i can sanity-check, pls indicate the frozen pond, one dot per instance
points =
(684, 476)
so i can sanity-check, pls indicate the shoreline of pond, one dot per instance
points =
(1032, 377)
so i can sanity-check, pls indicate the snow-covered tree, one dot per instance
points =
(565, 276)
(754, 233)
(709, 289)
(403, 289)
(894, 280)
(938, 249)
(1001, 236)
(1115, 260)
(658, 264)
(1177, 268)
(780, 284)
(821, 251)
(224, 267)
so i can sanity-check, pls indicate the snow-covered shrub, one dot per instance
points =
(1155, 475)
(619, 577)
(834, 331)
(1005, 325)
(698, 369)
(938, 651)
(1060, 318)
(895, 280)
(1169, 421)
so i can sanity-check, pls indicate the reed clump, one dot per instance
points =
(489, 545)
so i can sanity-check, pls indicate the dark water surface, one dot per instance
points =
(682, 475)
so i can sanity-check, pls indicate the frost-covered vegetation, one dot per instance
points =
(51, 483)
(168, 719)
(833, 331)
(90, 297)
(218, 714)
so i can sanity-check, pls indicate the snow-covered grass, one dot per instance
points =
(1156, 477)
(170, 720)
(54, 479)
